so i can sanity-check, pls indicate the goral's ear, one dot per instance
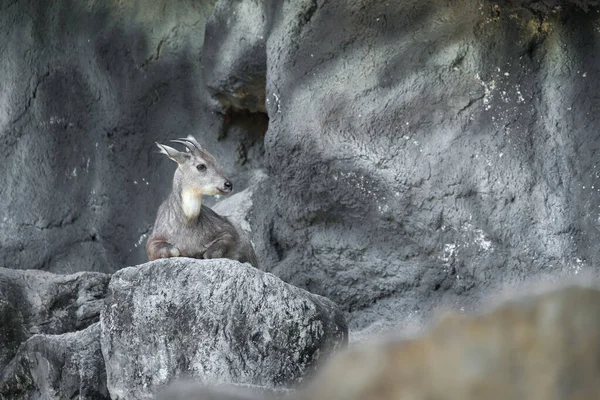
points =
(175, 155)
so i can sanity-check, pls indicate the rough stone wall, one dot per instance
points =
(422, 152)
(418, 152)
(87, 88)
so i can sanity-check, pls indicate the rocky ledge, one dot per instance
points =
(37, 302)
(67, 366)
(540, 347)
(217, 320)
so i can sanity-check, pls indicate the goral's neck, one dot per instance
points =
(191, 203)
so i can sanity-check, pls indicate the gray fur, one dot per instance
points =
(181, 231)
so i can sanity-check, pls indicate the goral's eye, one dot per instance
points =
(201, 167)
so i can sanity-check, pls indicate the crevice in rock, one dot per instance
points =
(471, 102)
(249, 96)
(154, 56)
(245, 121)
(254, 124)
(68, 220)
(308, 14)
(38, 82)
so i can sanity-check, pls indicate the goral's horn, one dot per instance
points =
(192, 139)
(193, 142)
(188, 145)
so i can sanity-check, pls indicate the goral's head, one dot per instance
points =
(198, 170)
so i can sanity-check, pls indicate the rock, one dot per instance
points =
(418, 152)
(33, 302)
(13, 332)
(542, 347)
(238, 207)
(423, 154)
(49, 367)
(81, 105)
(235, 57)
(197, 391)
(216, 320)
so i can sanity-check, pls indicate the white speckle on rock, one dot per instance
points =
(448, 252)
(482, 241)
(277, 101)
(140, 240)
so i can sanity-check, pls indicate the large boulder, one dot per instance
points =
(542, 347)
(38, 302)
(215, 320)
(57, 367)
(419, 152)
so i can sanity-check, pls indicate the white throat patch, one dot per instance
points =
(191, 203)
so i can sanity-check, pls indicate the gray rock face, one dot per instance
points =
(235, 57)
(57, 367)
(215, 320)
(238, 207)
(33, 302)
(423, 152)
(87, 89)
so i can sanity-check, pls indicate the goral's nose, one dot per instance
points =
(228, 186)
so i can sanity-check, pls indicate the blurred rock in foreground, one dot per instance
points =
(197, 391)
(543, 347)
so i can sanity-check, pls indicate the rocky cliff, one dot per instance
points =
(400, 156)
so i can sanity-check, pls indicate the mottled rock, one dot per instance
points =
(33, 302)
(215, 320)
(540, 348)
(197, 391)
(57, 367)
(87, 88)
(239, 206)
(419, 152)
(13, 331)
(235, 57)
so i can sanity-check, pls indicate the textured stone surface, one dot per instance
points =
(33, 302)
(215, 320)
(423, 152)
(197, 391)
(418, 152)
(57, 367)
(235, 59)
(87, 88)
(239, 206)
(544, 347)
